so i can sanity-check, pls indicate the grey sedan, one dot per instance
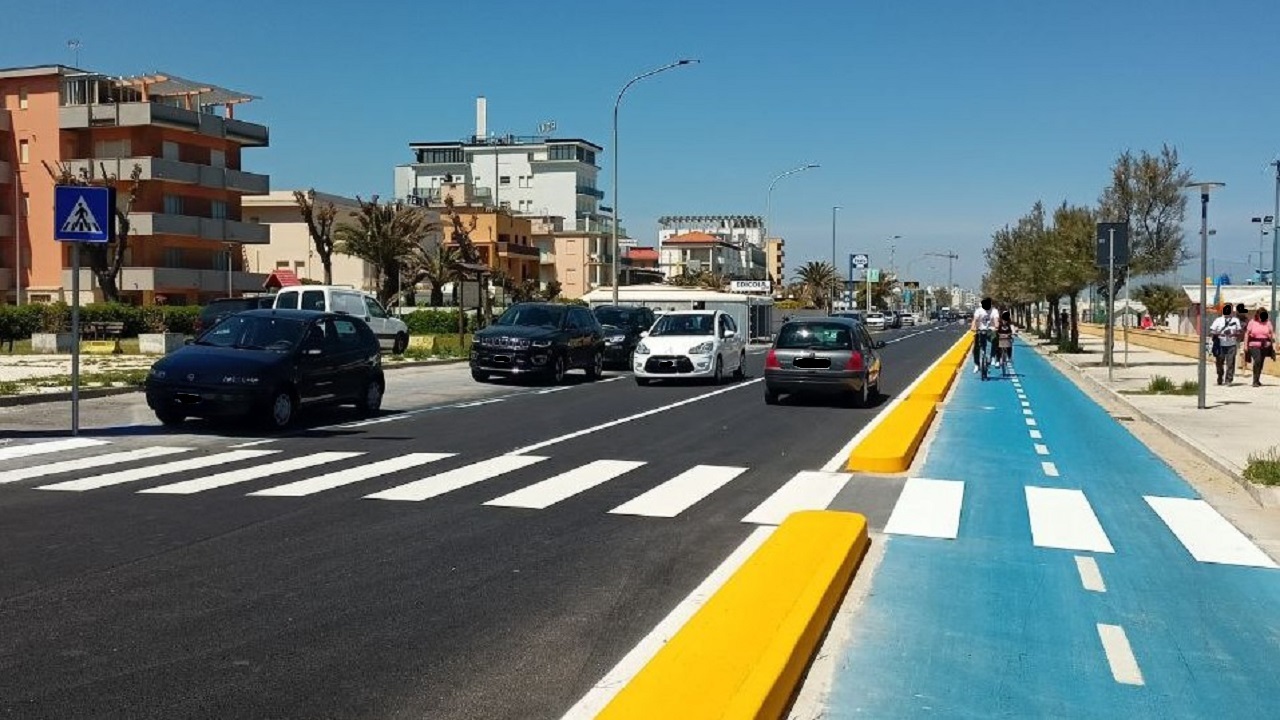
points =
(828, 356)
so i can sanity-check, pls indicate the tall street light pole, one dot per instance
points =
(616, 104)
(1202, 369)
(951, 257)
(1262, 233)
(835, 274)
(1275, 245)
(893, 253)
(768, 200)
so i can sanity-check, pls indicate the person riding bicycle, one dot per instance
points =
(1004, 339)
(985, 320)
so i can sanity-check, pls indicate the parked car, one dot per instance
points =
(854, 315)
(908, 320)
(875, 321)
(829, 356)
(622, 329)
(217, 309)
(266, 365)
(691, 344)
(893, 319)
(392, 333)
(546, 339)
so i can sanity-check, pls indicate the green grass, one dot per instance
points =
(110, 378)
(1161, 385)
(1264, 468)
(129, 346)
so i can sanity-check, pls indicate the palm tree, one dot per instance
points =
(386, 236)
(439, 267)
(818, 279)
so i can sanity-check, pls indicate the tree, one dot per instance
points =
(942, 298)
(1147, 192)
(319, 218)
(384, 235)
(554, 288)
(1072, 244)
(1161, 300)
(106, 260)
(439, 267)
(818, 280)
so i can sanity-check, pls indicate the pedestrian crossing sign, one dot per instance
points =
(84, 213)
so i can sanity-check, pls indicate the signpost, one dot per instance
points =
(750, 286)
(1113, 249)
(861, 261)
(81, 214)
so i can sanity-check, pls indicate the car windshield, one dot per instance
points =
(684, 325)
(815, 336)
(533, 316)
(244, 332)
(618, 317)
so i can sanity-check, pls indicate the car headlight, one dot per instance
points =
(642, 349)
(240, 380)
(542, 343)
(702, 348)
(617, 339)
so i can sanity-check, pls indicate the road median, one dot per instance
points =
(744, 653)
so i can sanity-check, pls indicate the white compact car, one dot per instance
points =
(392, 332)
(875, 321)
(703, 344)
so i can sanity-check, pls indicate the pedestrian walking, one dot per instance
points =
(1242, 314)
(1226, 338)
(1261, 338)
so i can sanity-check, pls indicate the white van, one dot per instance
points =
(392, 333)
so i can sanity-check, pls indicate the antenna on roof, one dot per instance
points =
(74, 46)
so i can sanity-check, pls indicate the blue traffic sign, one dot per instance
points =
(84, 213)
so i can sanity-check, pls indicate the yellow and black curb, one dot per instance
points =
(892, 445)
(744, 653)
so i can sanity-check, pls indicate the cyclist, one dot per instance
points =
(1004, 340)
(985, 320)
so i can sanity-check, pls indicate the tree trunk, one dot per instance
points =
(437, 295)
(1075, 321)
(326, 261)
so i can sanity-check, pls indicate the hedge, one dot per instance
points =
(434, 322)
(20, 321)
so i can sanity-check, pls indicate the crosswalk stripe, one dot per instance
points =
(144, 473)
(451, 480)
(544, 494)
(339, 478)
(1207, 535)
(1063, 518)
(231, 477)
(680, 492)
(116, 458)
(45, 448)
(927, 508)
(807, 490)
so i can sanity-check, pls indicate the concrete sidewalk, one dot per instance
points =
(1239, 419)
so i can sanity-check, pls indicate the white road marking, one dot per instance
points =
(1031, 422)
(145, 473)
(1026, 404)
(1124, 666)
(604, 691)
(1063, 518)
(1041, 449)
(1027, 412)
(680, 492)
(807, 490)
(456, 479)
(1049, 469)
(1090, 575)
(374, 421)
(544, 494)
(548, 391)
(630, 418)
(927, 508)
(478, 403)
(116, 458)
(1035, 435)
(1205, 534)
(253, 443)
(48, 447)
(351, 475)
(232, 477)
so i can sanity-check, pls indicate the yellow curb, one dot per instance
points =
(892, 445)
(743, 654)
(936, 385)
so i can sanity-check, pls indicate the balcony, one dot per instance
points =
(6, 226)
(5, 124)
(463, 195)
(154, 168)
(6, 279)
(512, 249)
(546, 258)
(6, 173)
(135, 114)
(216, 229)
(249, 183)
(135, 279)
(591, 192)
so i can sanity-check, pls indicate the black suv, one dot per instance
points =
(622, 328)
(545, 339)
(222, 307)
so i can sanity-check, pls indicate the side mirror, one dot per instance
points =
(644, 333)
(730, 333)
(879, 344)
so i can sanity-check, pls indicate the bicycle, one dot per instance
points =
(984, 352)
(1005, 345)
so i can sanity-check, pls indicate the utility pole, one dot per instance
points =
(951, 257)
(1275, 245)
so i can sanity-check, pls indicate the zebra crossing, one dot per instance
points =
(1059, 518)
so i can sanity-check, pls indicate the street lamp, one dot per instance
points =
(1262, 232)
(893, 251)
(616, 104)
(1202, 369)
(831, 302)
(768, 201)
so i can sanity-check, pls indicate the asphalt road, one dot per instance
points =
(311, 599)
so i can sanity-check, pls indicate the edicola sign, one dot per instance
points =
(750, 286)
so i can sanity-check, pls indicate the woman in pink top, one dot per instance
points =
(1260, 338)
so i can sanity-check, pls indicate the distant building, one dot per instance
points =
(776, 262)
(695, 252)
(291, 247)
(187, 230)
(504, 241)
(744, 233)
(579, 261)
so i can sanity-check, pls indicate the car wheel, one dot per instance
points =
(557, 370)
(718, 375)
(740, 372)
(479, 376)
(169, 418)
(370, 400)
(400, 345)
(770, 397)
(863, 396)
(281, 409)
(597, 367)
(642, 381)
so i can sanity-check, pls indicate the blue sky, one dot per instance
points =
(936, 120)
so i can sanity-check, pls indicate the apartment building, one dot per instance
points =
(579, 261)
(291, 247)
(10, 202)
(503, 240)
(187, 231)
(695, 252)
(775, 260)
(743, 232)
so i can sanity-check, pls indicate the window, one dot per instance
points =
(24, 152)
(218, 209)
(22, 98)
(287, 301)
(298, 266)
(526, 181)
(282, 264)
(504, 179)
(173, 257)
(173, 205)
(347, 333)
(375, 310)
(441, 157)
(312, 300)
(170, 150)
(218, 158)
(815, 336)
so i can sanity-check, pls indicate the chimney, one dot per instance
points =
(481, 117)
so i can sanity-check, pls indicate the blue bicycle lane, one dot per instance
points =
(989, 624)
